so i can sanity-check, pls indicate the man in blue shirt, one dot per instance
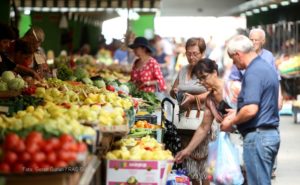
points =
(257, 116)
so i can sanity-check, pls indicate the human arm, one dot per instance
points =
(25, 70)
(200, 134)
(280, 98)
(246, 113)
(174, 89)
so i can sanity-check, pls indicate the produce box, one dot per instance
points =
(149, 117)
(116, 129)
(137, 172)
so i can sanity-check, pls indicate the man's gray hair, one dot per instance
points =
(240, 43)
(261, 32)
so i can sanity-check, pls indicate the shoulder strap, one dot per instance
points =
(211, 105)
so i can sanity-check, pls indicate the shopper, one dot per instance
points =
(257, 117)
(187, 85)
(146, 73)
(7, 35)
(258, 38)
(206, 71)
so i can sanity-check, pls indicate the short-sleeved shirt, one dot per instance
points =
(266, 55)
(6, 64)
(149, 72)
(260, 87)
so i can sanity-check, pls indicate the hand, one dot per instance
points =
(226, 124)
(188, 100)
(180, 156)
(37, 76)
(230, 113)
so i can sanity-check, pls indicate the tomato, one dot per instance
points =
(44, 167)
(11, 141)
(32, 147)
(63, 156)
(81, 147)
(51, 157)
(54, 142)
(72, 156)
(38, 157)
(60, 164)
(20, 146)
(46, 146)
(19, 168)
(10, 157)
(32, 167)
(34, 137)
(110, 88)
(24, 157)
(73, 147)
(4, 167)
(64, 138)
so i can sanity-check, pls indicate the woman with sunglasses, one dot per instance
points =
(188, 90)
(206, 71)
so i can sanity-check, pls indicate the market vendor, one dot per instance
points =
(36, 36)
(146, 73)
(13, 60)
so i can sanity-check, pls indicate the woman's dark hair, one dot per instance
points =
(205, 65)
(6, 32)
(196, 41)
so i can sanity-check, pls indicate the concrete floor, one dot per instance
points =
(288, 170)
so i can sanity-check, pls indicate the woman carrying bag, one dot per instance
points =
(190, 95)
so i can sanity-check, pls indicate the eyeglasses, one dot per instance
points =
(189, 54)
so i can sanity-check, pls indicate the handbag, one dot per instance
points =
(190, 119)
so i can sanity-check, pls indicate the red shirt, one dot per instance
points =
(149, 72)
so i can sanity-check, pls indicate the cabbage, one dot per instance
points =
(99, 83)
(16, 84)
(80, 73)
(3, 86)
(87, 81)
(7, 76)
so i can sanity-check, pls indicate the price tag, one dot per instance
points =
(4, 109)
(39, 58)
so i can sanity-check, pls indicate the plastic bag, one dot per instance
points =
(223, 164)
(178, 177)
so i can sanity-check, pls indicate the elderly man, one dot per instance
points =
(257, 116)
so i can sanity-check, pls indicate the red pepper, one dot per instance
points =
(110, 88)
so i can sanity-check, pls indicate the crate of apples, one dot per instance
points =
(34, 153)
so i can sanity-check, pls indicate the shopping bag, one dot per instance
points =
(223, 164)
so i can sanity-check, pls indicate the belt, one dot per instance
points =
(262, 128)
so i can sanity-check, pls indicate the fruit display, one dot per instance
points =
(50, 118)
(145, 124)
(35, 153)
(146, 148)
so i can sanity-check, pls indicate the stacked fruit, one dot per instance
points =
(35, 153)
(146, 148)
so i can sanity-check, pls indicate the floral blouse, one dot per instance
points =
(149, 72)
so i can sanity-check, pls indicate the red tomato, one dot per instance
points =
(73, 147)
(11, 141)
(34, 137)
(81, 147)
(20, 146)
(63, 156)
(10, 157)
(110, 88)
(44, 167)
(32, 147)
(24, 157)
(32, 167)
(54, 142)
(19, 168)
(72, 156)
(38, 157)
(51, 157)
(60, 164)
(4, 168)
(46, 146)
(64, 138)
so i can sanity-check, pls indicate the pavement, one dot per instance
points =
(288, 169)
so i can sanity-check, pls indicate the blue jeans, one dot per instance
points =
(260, 150)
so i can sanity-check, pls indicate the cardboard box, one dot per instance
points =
(143, 172)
